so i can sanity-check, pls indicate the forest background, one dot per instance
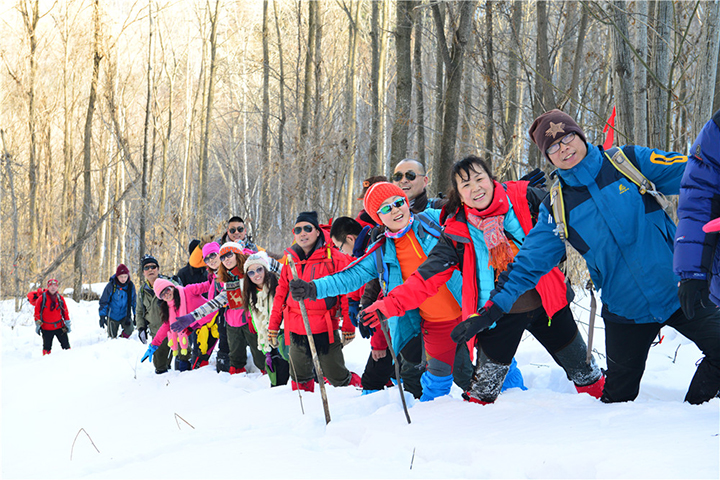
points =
(130, 127)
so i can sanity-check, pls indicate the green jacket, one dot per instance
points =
(148, 308)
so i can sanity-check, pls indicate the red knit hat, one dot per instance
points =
(377, 194)
(122, 270)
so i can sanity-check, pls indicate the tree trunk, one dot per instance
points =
(543, 99)
(706, 76)
(350, 121)
(283, 117)
(640, 74)
(623, 75)
(265, 126)
(14, 273)
(658, 93)
(87, 158)
(568, 46)
(454, 61)
(374, 155)
(403, 89)
(512, 105)
(419, 93)
(146, 141)
(438, 10)
(490, 90)
(572, 93)
(203, 187)
(31, 17)
(716, 101)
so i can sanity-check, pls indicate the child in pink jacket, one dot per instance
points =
(173, 304)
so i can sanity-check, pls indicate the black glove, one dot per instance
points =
(142, 335)
(103, 321)
(484, 319)
(301, 290)
(536, 178)
(690, 291)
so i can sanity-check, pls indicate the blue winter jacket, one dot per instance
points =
(696, 253)
(625, 237)
(118, 301)
(364, 269)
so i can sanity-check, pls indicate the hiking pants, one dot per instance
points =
(332, 363)
(627, 346)
(239, 338)
(115, 326)
(62, 336)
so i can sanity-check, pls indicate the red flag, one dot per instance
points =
(610, 129)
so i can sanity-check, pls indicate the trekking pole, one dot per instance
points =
(384, 328)
(591, 324)
(311, 342)
(292, 365)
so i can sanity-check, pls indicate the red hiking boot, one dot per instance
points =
(308, 386)
(234, 370)
(46, 352)
(355, 380)
(594, 389)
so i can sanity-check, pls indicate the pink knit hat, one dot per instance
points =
(160, 285)
(377, 194)
(209, 248)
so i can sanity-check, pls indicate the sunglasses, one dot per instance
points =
(410, 175)
(212, 256)
(385, 209)
(52, 282)
(168, 290)
(252, 273)
(238, 230)
(150, 267)
(307, 228)
(226, 255)
(564, 140)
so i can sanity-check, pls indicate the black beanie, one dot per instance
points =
(193, 244)
(148, 259)
(309, 217)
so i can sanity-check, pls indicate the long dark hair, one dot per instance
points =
(463, 169)
(250, 289)
(165, 308)
(223, 275)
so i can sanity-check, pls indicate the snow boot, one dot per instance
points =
(46, 352)
(234, 370)
(203, 363)
(182, 365)
(124, 335)
(434, 386)
(223, 362)
(470, 399)
(308, 386)
(489, 379)
(705, 383)
(355, 380)
(594, 389)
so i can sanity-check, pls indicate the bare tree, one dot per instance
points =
(640, 73)
(706, 77)
(623, 73)
(419, 91)
(658, 89)
(489, 90)
(403, 84)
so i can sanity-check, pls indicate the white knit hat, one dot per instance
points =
(259, 258)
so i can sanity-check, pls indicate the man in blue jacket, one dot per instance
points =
(627, 241)
(117, 304)
(697, 258)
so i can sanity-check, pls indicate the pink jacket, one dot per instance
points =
(164, 329)
(195, 299)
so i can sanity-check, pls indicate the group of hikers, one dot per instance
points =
(448, 286)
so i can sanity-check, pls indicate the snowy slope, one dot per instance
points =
(244, 429)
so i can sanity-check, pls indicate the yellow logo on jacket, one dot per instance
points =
(623, 189)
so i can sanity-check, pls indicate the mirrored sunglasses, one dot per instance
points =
(385, 209)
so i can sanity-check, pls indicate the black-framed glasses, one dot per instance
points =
(238, 230)
(150, 266)
(385, 209)
(252, 273)
(410, 175)
(212, 256)
(306, 228)
(564, 140)
(226, 255)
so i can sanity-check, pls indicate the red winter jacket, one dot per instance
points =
(51, 310)
(322, 313)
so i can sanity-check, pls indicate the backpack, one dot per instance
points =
(35, 295)
(622, 163)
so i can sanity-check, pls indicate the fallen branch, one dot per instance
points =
(76, 436)
(181, 418)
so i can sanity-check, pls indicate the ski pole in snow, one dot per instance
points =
(292, 365)
(591, 323)
(311, 342)
(384, 328)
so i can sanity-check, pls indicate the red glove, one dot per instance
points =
(369, 315)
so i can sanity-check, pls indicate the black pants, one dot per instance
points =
(61, 335)
(627, 346)
(223, 349)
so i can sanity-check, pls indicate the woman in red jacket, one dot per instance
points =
(315, 257)
(51, 318)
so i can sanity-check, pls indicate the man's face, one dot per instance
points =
(412, 188)
(151, 272)
(347, 246)
(567, 151)
(306, 239)
(236, 231)
(53, 288)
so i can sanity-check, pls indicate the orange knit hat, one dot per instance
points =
(377, 194)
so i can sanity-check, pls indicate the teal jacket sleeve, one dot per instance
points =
(540, 253)
(348, 280)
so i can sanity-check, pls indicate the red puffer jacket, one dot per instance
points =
(322, 313)
(51, 310)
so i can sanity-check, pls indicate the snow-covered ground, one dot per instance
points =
(243, 429)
